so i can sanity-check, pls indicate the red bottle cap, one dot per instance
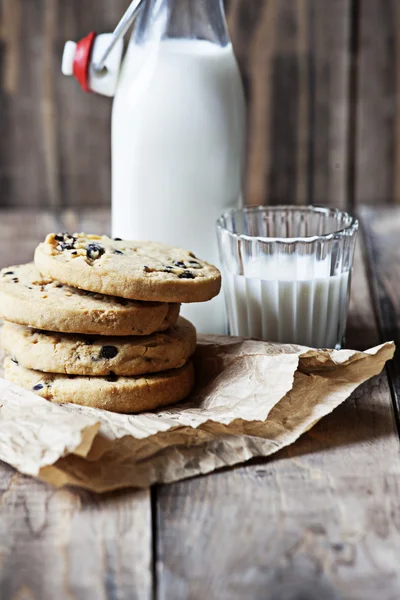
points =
(83, 55)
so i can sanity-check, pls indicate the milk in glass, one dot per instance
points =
(278, 301)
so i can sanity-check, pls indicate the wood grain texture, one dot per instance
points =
(21, 231)
(84, 120)
(66, 544)
(378, 103)
(382, 235)
(70, 545)
(319, 520)
(362, 330)
(55, 140)
(294, 56)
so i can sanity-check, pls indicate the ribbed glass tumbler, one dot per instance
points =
(287, 272)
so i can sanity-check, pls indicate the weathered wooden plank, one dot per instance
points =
(55, 140)
(320, 520)
(22, 168)
(84, 120)
(362, 331)
(20, 232)
(67, 544)
(382, 236)
(378, 115)
(295, 62)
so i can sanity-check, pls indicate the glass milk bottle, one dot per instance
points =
(178, 134)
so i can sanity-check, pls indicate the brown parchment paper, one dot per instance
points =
(252, 399)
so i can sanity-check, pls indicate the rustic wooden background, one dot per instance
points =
(321, 82)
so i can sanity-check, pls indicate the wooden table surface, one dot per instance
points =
(320, 520)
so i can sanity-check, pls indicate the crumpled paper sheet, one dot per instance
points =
(252, 399)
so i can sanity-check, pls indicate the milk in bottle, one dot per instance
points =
(178, 134)
(178, 127)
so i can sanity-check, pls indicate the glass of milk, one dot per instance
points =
(287, 273)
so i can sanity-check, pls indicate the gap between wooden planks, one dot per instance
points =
(382, 234)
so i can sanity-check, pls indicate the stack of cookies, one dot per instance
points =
(95, 321)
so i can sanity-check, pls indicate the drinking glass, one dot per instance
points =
(287, 273)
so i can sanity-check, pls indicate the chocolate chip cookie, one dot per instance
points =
(28, 298)
(99, 356)
(135, 270)
(113, 393)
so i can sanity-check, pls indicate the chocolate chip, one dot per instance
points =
(180, 264)
(14, 360)
(192, 255)
(9, 273)
(147, 269)
(186, 275)
(74, 253)
(117, 240)
(94, 251)
(118, 252)
(195, 265)
(38, 387)
(64, 246)
(89, 342)
(112, 378)
(60, 237)
(168, 269)
(66, 241)
(15, 280)
(108, 352)
(59, 285)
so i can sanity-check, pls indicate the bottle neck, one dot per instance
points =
(182, 19)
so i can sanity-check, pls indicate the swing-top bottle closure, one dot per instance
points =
(95, 61)
(80, 58)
